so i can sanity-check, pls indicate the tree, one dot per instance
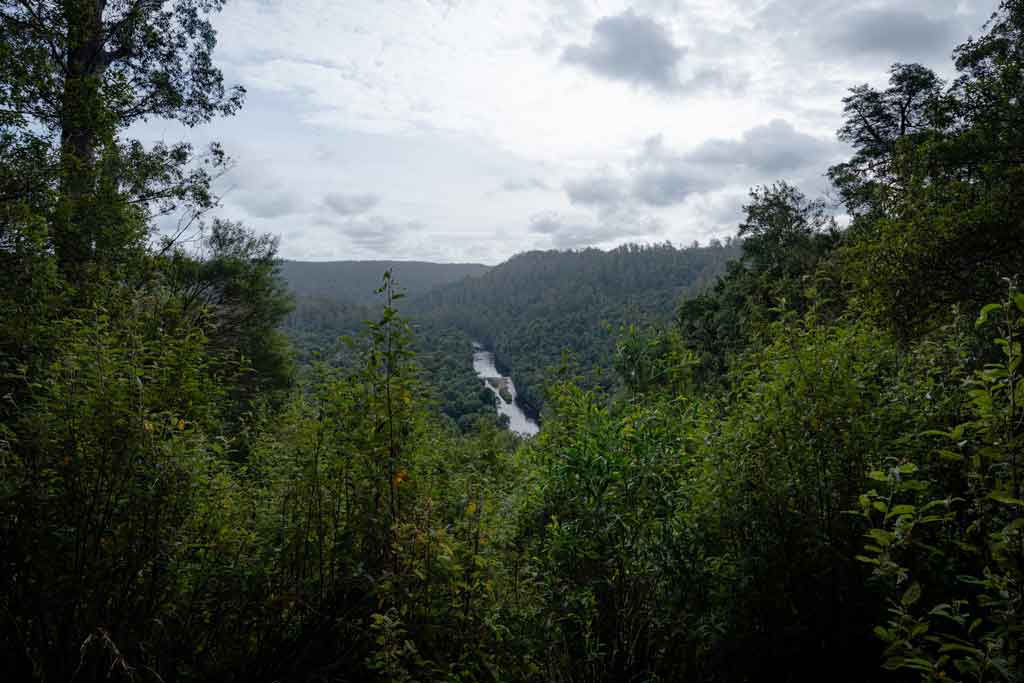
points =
(785, 239)
(991, 79)
(111, 428)
(75, 74)
(780, 228)
(945, 535)
(876, 122)
(231, 285)
(934, 182)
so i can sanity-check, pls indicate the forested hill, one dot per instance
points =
(538, 311)
(539, 305)
(354, 282)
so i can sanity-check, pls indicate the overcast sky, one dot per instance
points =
(470, 130)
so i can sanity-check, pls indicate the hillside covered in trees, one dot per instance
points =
(549, 312)
(354, 282)
(808, 467)
(334, 299)
(542, 313)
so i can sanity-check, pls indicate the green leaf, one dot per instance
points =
(902, 510)
(953, 647)
(912, 595)
(1014, 525)
(1018, 298)
(881, 536)
(892, 663)
(1005, 498)
(920, 629)
(986, 312)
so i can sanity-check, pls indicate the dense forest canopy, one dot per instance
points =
(354, 282)
(806, 461)
(541, 313)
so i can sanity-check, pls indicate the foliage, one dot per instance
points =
(947, 531)
(534, 308)
(77, 73)
(812, 467)
(353, 282)
(104, 471)
(782, 269)
(232, 281)
(943, 225)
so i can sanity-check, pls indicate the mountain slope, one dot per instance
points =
(354, 282)
(541, 306)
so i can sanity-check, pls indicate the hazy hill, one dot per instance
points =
(354, 282)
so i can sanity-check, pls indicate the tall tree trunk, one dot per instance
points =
(83, 125)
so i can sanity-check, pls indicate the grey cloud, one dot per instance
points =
(547, 223)
(630, 47)
(598, 190)
(566, 16)
(268, 204)
(567, 232)
(524, 184)
(372, 237)
(663, 6)
(776, 147)
(893, 33)
(762, 154)
(714, 78)
(668, 186)
(903, 30)
(376, 234)
(258, 192)
(169, 224)
(350, 204)
(663, 178)
(720, 210)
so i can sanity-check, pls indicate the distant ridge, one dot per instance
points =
(354, 282)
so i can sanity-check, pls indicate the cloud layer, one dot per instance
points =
(657, 176)
(630, 47)
(350, 204)
(473, 130)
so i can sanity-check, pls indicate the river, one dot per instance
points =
(505, 391)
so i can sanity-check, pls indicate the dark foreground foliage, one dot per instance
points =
(813, 471)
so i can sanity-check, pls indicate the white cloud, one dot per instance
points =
(464, 116)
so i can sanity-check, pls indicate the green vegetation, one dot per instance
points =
(333, 300)
(812, 469)
(543, 314)
(354, 282)
(550, 313)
